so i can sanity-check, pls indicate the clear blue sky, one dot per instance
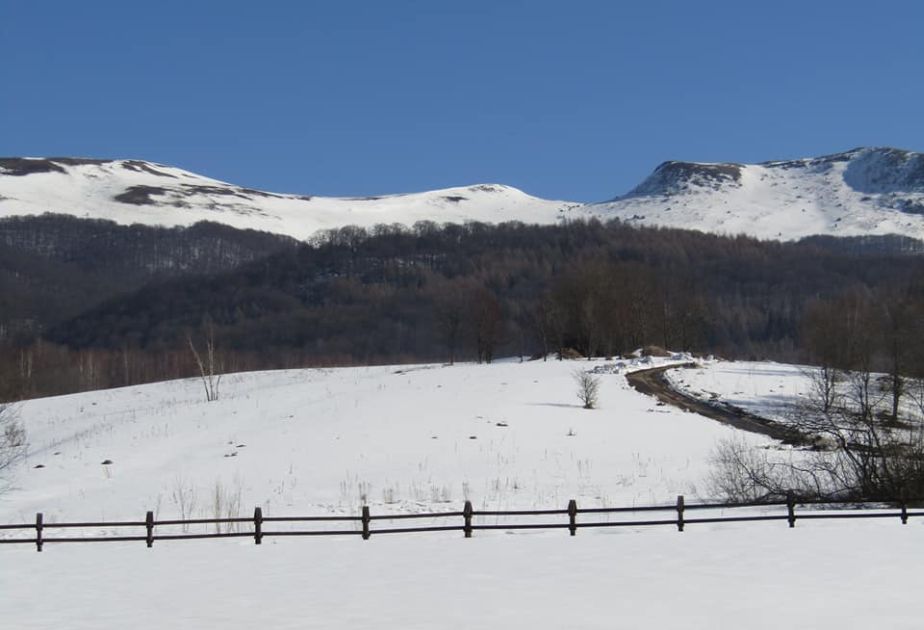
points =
(570, 100)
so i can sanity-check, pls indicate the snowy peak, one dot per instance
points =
(677, 177)
(861, 192)
(25, 166)
(867, 170)
(875, 170)
(136, 191)
(864, 191)
(20, 167)
(886, 171)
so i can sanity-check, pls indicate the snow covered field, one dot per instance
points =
(420, 438)
(817, 576)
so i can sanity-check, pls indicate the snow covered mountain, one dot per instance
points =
(135, 191)
(866, 191)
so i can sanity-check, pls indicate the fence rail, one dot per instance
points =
(364, 521)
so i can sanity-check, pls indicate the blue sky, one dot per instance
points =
(574, 100)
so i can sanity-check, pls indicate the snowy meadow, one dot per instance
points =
(413, 438)
(424, 438)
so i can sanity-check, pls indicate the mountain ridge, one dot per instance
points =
(865, 191)
(861, 192)
(136, 191)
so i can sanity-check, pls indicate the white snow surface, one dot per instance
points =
(316, 440)
(764, 388)
(868, 191)
(777, 391)
(168, 196)
(818, 576)
(420, 438)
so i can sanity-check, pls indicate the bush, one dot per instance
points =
(588, 388)
(857, 453)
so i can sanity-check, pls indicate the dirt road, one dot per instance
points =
(652, 383)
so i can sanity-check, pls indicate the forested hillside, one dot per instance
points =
(53, 267)
(473, 291)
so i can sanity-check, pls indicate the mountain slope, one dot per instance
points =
(866, 191)
(862, 192)
(134, 191)
(54, 267)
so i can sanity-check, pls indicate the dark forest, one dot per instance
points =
(98, 305)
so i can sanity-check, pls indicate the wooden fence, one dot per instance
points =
(468, 521)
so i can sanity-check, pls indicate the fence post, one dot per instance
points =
(572, 516)
(38, 531)
(257, 525)
(680, 507)
(149, 526)
(791, 508)
(467, 515)
(366, 532)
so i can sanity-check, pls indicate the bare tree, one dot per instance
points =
(741, 473)
(916, 392)
(545, 319)
(858, 454)
(588, 388)
(863, 451)
(486, 322)
(209, 367)
(12, 437)
(823, 331)
(450, 310)
(900, 322)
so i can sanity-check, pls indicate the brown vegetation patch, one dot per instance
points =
(19, 167)
(140, 195)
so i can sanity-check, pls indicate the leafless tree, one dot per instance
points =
(546, 321)
(916, 393)
(901, 320)
(588, 388)
(486, 322)
(209, 366)
(12, 437)
(858, 454)
(824, 328)
(744, 474)
(450, 317)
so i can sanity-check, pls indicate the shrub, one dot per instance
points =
(588, 388)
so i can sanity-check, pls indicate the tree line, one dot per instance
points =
(53, 267)
(466, 292)
(863, 415)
